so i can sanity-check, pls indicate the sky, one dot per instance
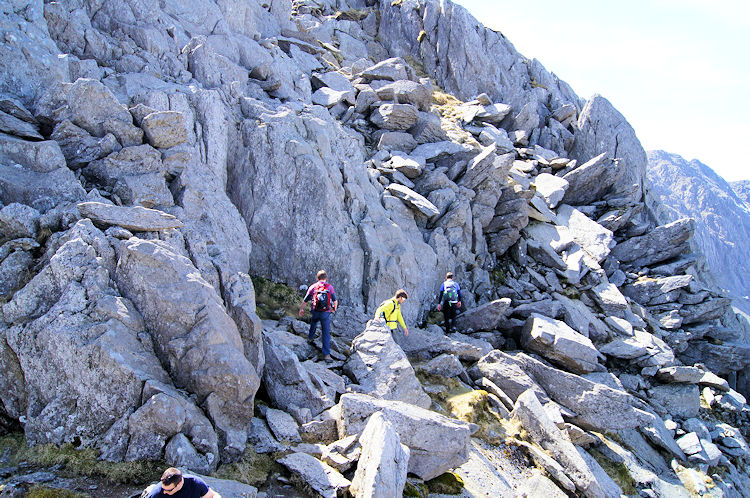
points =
(678, 70)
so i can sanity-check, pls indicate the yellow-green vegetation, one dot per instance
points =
(412, 490)
(79, 461)
(448, 484)
(434, 317)
(351, 15)
(252, 468)
(421, 36)
(275, 300)
(617, 471)
(468, 405)
(536, 84)
(47, 492)
(396, 3)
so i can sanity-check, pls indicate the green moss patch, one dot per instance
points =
(448, 484)
(79, 461)
(275, 300)
(617, 471)
(252, 468)
(468, 405)
(47, 492)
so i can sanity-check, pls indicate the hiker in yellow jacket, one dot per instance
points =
(390, 311)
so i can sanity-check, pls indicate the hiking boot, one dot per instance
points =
(327, 358)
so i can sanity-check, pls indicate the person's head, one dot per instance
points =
(171, 481)
(449, 276)
(322, 275)
(401, 295)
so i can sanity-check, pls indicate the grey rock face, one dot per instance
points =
(192, 332)
(380, 366)
(288, 383)
(662, 243)
(558, 342)
(595, 405)
(528, 410)
(484, 317)
(592, 180)
(436, 443)
(382, 467)
(604, 130)
(136, 219)
(321, 477)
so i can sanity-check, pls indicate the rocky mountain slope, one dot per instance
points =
(722, 230)
(742, 189)
(153, 156)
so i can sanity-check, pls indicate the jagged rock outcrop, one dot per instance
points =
(722, 216)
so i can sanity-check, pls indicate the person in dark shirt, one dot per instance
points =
(173, 483)
(449, 301)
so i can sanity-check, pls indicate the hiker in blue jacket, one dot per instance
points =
(449, 301)
(323, 303)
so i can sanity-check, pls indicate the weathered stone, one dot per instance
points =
(610, 299)
(380, 366)
(41, 157)
(406, 92)
(18, 221)
(165, 129)
(437, 443)
(656, 291)
(445, 365)
(393, 69)
(596, 406)
(596, 240)
(660, 244)
(551, 188)
(192, 332)
(413, 199)
(288, 383)
(136, 219)
(484, 317)
(399, 117)
(556, 341)
(282, 426)
(382, 467)
(590, 181)
(528, 410)
(677, 399)
(321, 477)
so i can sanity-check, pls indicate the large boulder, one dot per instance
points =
(288, 383)
(436, 442)
(529, 412)
(603, 130)
(596, 406)
(193, 335)
(382, 467)
(591, 180)
(487, 316)
(556, 341)
(380, 367)
(660, 244)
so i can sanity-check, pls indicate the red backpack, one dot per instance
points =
(321, 297)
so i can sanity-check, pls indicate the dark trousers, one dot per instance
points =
(324, 317)
(449, 316)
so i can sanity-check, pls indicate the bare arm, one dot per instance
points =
(211, 494)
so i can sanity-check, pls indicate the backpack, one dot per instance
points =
(450, 292)
(321, 297)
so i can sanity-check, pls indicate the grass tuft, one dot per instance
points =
(79, 461)
(252, 468)
(47, 492)
(275, 300)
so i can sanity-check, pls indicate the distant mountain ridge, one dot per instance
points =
(721, 212)
(742, 189)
